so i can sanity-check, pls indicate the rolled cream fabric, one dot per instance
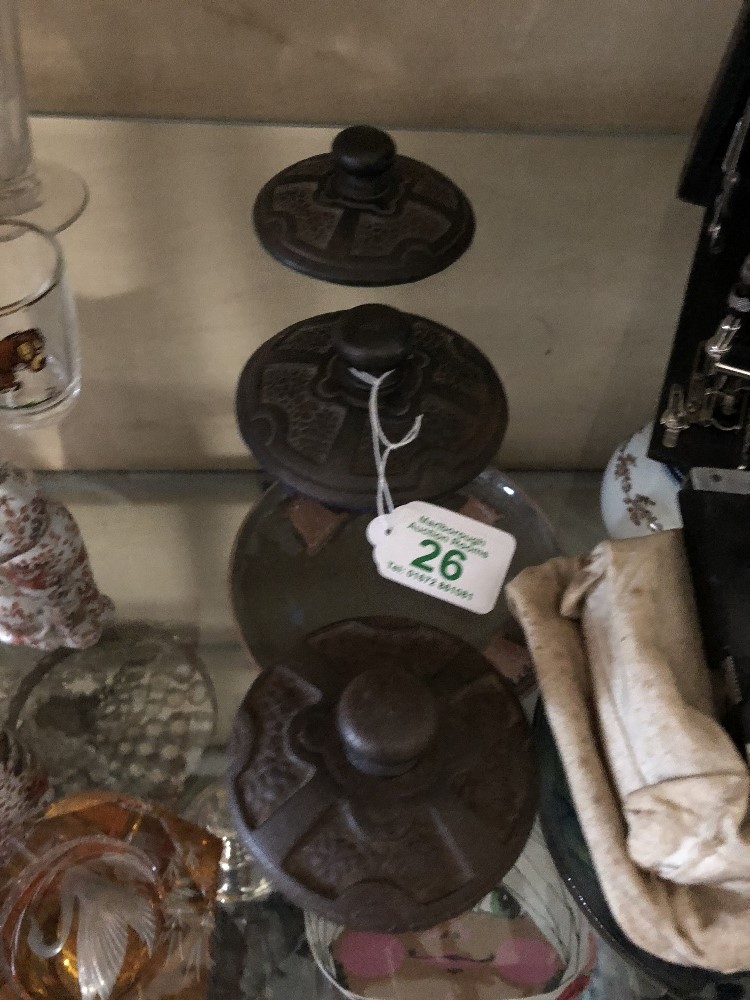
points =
(661, 792)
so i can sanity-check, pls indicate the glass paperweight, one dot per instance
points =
(108, 897)
(134, 712)
(48, 195)
(24, 791)
(40, 367)
(240, 879)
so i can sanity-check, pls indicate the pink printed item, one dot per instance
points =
(478, 955)
(48, 597)
(525, 939)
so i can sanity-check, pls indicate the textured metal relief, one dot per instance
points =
(314, 224)
(317, 338)
(482, 781)
(312, 425)
(443, 435)
(378, 235)
(362, 215)
(418, 648)
(274, 775)
(445, 429)
(453, 371)
(435, 189)
(313, 166)
(417, 769)
(403, 463)
(389, 203)
(338, 853)
(303, 409)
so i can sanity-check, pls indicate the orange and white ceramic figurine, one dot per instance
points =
(48, 597)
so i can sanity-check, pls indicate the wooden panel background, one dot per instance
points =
(636, 65)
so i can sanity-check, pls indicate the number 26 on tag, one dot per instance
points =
(449, 556)
(451, 566)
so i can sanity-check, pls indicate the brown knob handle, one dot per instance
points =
(374, 338)
(386, 718)
(363, 157)
(363, 150)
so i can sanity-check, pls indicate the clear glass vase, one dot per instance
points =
(49, 195)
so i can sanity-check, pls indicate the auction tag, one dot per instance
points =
(446, 555)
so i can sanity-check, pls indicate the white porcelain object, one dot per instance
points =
(48, 597)
(639, 495)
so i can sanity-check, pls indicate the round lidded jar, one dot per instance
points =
(299, 565)
(363, 215)
(383, 775)
(302, 406)
(300, 562)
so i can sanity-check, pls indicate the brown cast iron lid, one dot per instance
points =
(305, 418)
(384, 776)
(362, 215)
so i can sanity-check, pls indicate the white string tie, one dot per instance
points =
(383, 497)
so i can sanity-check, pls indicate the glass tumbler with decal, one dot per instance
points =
(40, 368)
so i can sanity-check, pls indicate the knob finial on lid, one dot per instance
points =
(363, 150)
(374, 338)
(387, 719)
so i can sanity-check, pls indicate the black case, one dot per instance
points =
(717, 542)
(713, 274)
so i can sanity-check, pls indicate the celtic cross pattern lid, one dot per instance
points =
(363, 215)
(303, 411)
(383, 775)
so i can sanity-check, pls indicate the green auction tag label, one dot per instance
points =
(449, 556)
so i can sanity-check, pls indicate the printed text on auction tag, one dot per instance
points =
(446, 555)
